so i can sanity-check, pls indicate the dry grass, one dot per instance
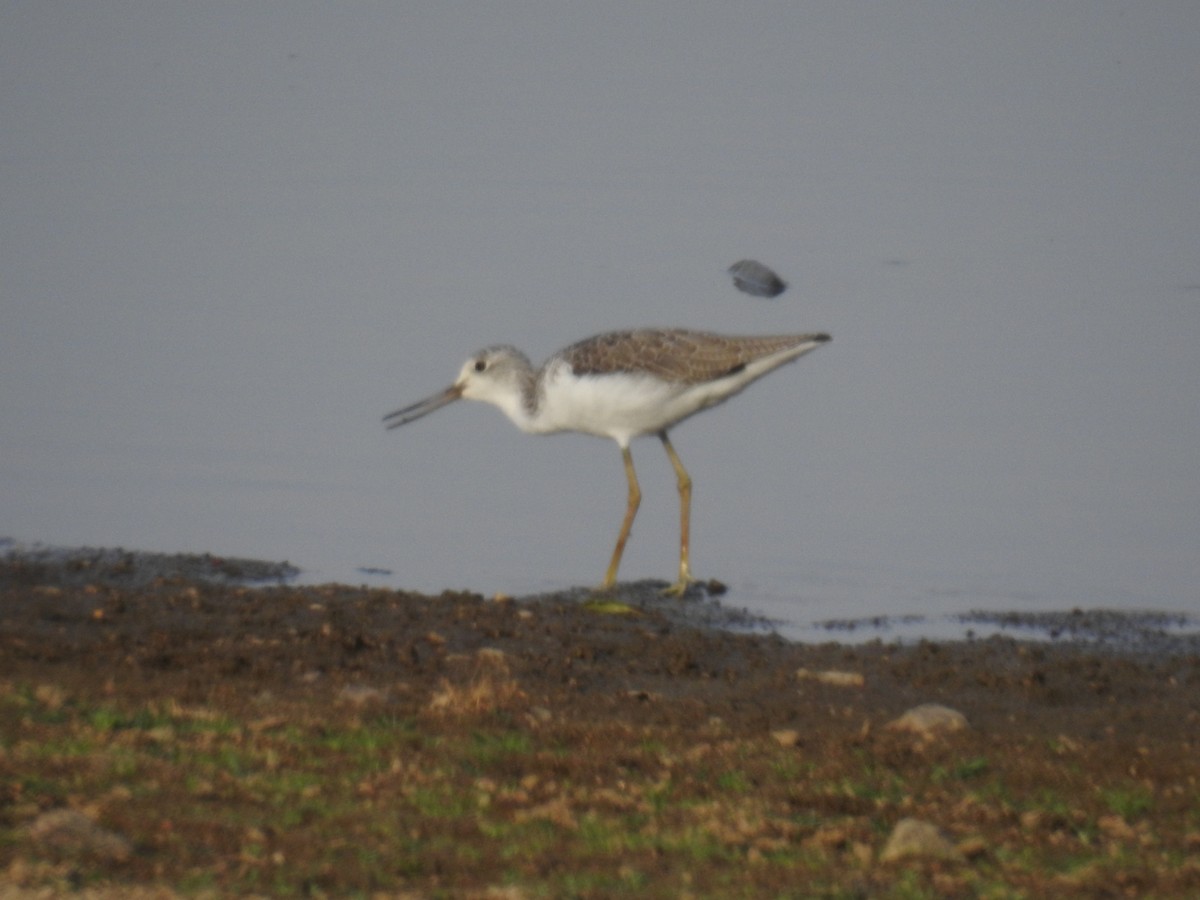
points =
(489, 687)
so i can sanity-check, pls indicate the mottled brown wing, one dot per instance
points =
(687, 357)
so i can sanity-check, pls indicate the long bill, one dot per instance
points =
(423, 408)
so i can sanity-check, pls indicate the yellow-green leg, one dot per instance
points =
(685, 515)
(635, 499)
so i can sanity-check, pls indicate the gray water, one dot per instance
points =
(235, 236)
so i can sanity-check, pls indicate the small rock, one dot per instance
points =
(786, 737)
(914, 838)
(928, 719)
(71, 833)
(752, 277)
(833, 677)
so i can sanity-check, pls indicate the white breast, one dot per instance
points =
(618, 406)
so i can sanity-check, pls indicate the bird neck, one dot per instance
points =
(519, 401)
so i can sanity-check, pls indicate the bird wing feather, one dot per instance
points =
(677, 355)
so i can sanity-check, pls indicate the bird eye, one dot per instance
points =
(480, 365)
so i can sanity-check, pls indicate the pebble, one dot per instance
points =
(752, 277)
(786, 737)
(71, 833)
(833, 677)
(914, 838)
(929, 719)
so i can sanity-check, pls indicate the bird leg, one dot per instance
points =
(679, 588)
(635, 498)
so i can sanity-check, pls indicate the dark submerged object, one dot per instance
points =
(752, 277)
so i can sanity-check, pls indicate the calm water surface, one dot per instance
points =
(234, 239)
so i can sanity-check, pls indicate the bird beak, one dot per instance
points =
(424, 408)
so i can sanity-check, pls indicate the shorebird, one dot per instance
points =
(621, 385)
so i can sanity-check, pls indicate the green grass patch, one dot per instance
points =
(1128, 802)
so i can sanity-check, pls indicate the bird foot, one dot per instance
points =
(680, 587)
(684, 586)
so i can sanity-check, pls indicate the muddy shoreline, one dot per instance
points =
(1121, 631)
(554, 746)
